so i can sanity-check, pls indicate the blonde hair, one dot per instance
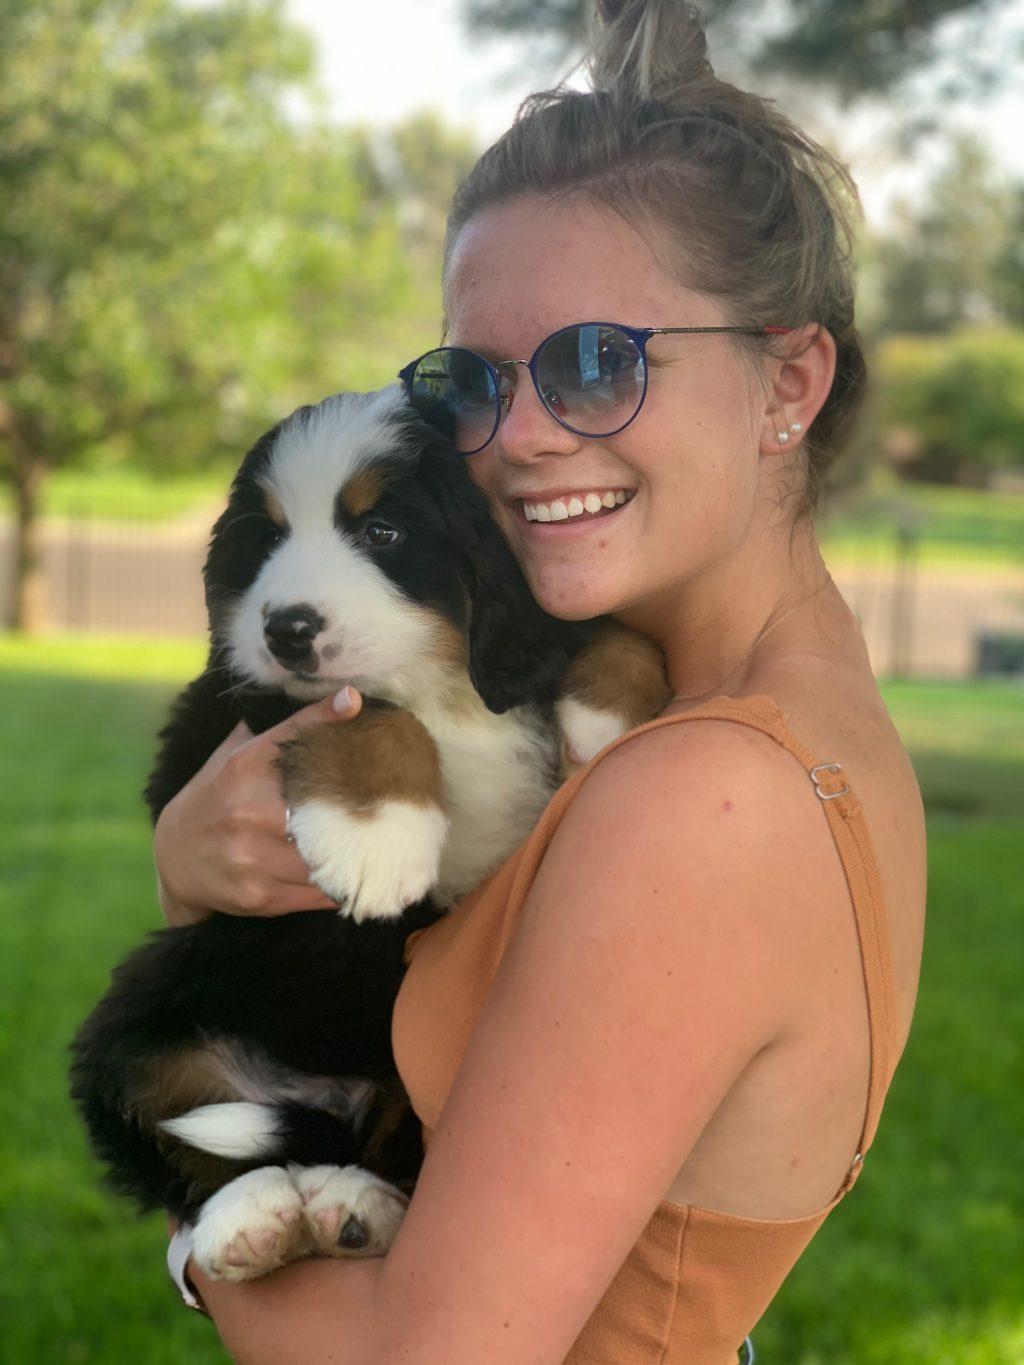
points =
(757, 215)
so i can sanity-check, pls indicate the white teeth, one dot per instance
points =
(561, 509)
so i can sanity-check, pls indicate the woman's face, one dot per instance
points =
(689, 461)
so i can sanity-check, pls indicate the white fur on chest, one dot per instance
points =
(499, 773)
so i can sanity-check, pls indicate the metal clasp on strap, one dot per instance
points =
(826, 768)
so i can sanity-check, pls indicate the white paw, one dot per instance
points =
(586, 731)
(253, 1225)
(348, 1211)
(374, 864)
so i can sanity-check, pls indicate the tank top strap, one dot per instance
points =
(849, 830)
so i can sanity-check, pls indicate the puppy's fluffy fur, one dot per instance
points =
(239, 1072)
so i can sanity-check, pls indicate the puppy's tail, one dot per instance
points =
(244, 1131)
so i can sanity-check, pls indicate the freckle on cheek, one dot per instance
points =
(727, 805)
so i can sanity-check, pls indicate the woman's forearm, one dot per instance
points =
(310, 1312)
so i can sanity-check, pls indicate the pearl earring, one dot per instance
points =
(796, 428)
(783, 437)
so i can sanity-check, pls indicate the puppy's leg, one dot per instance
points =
(348, 1211)
(366, 800)
(616, 682)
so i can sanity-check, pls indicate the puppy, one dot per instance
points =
(238, 1073)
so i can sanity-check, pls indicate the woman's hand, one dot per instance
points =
(221, 843)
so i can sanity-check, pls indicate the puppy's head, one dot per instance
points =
(356, 548)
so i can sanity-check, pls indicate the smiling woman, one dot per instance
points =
(650, 1051)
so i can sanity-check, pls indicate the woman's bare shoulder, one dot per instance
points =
(724, 821)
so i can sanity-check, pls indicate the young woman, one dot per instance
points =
(701, 967)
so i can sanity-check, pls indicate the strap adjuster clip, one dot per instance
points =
(826, 768)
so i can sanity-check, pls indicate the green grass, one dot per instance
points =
(127, 494)
(956, 526)
(921, 1264)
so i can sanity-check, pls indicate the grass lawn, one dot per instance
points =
(921, 1264)
(127, 494)
(952, 526)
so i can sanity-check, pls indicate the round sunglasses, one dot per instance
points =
(590, 376)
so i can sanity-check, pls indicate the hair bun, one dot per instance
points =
(652, 48)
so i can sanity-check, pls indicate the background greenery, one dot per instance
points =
(921, 1264)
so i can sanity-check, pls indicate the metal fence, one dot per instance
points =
(927, 609)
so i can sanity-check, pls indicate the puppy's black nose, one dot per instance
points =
(290, 632)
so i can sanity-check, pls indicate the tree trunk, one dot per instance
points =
(26, 604)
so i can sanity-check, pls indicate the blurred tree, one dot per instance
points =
(857, 48)
(942, 262)
(951, 409)
(1009, 266)
(186, 251)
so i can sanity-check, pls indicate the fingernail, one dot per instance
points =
(342, 701)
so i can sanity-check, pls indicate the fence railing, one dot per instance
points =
(928, 608)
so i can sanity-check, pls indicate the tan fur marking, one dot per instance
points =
(361, 492)
(275, 509)
(380, 755)
(394, 1105)
(619, 670)
(176, 1082)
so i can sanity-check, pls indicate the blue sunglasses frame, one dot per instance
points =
(639, 336)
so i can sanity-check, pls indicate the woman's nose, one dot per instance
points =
(527, 429)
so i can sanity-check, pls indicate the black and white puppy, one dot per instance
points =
(238, 1073)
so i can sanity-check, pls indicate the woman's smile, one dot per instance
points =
(559, 515)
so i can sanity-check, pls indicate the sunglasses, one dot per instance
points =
(591, 377)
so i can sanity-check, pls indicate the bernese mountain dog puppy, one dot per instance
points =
(238, 1073)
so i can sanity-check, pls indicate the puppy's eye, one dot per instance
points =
(378, 534)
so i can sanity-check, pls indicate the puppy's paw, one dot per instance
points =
(348, 1211)
(585, 731)
(251, 1226)
(375, 863)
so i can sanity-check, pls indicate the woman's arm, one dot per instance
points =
(220, 843)
(650, 964)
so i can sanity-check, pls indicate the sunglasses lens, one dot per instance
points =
(591, 377)
(454, 391)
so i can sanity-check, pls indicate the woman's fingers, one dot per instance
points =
(343, 705)
(221, 843)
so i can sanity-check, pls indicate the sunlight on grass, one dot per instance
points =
(126, 658)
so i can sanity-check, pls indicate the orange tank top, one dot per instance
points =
(697, 1281)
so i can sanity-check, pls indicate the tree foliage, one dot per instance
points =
(859, 48)
(186, 249)
(952, 255)
(951, 408)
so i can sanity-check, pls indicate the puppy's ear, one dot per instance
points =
(517, 652)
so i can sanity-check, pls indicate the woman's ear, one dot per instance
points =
(799, 383)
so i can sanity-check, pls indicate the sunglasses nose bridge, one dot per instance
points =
(507, 372)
